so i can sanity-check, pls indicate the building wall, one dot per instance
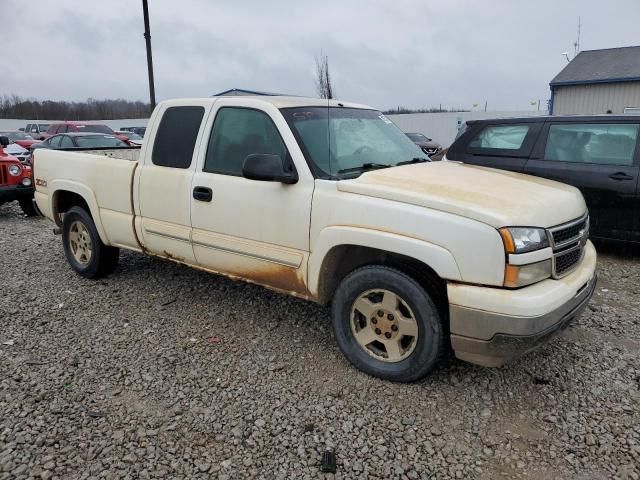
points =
(596, 98)
(443, 127)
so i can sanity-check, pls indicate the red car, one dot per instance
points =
(82, 127)
(16, 181)
(19, 138)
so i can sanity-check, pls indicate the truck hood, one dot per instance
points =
(496, 197)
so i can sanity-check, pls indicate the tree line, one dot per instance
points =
(13, 106)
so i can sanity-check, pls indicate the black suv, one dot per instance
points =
(599, 154)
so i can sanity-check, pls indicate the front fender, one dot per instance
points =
(87, 195)
(436, 257)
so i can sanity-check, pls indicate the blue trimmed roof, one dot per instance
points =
(601, 66)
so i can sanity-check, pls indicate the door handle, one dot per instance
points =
(620, 176)
(203, 194)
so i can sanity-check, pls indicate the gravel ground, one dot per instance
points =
(161, 371)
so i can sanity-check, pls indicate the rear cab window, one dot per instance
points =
(176, 136)
(591, 143)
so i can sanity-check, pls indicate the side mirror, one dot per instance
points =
(267, 167)
(4, 141)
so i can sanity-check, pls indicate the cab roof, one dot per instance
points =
(278, 101)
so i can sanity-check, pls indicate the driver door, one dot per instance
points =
(252, 229)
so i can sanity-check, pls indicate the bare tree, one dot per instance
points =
(323, 79)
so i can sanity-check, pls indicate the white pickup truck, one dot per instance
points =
(331, 202)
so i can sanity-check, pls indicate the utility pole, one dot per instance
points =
(147, 38)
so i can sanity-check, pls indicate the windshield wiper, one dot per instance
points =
(364, 167)
(413, 160)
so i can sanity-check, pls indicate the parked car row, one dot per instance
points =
(80, 140)
(16, 153)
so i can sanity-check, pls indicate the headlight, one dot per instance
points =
(523, 239)
(14, 170)
(521, 275)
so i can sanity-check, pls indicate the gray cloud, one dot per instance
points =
(406, 52)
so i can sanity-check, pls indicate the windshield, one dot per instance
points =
(93, 128)
(346, 141)
(95, 141)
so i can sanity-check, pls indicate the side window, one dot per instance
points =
(28, 129)
(500, 137)
(603, 144)
(176, 136)
(55, 141)
(238, 133)
(66, 142)
(64, 129)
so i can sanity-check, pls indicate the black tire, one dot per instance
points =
(103, 259)
(429, 344)
(27, 207)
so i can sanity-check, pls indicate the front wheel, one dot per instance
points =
(83, 248)
(27, 207)
(387, 325)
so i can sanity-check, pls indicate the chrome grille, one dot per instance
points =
(565, 261)
(567, 241)
(567, 234)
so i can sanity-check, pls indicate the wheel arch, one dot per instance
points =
(428, 264)
(68, 194)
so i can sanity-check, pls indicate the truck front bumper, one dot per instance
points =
(9, 193)
(504, 324)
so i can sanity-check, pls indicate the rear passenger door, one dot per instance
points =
(601, 159)
(164, 190)
(501, 145)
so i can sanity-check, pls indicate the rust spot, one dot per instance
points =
(279, 277)
(173, 257)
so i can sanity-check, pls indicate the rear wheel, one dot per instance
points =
(83, 248)
(387, 325)
(27, 207)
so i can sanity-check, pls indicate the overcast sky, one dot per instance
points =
(414, 53)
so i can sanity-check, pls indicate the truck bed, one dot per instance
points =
(104, 177)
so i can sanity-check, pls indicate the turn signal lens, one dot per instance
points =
(507, 239)
(521, 275)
